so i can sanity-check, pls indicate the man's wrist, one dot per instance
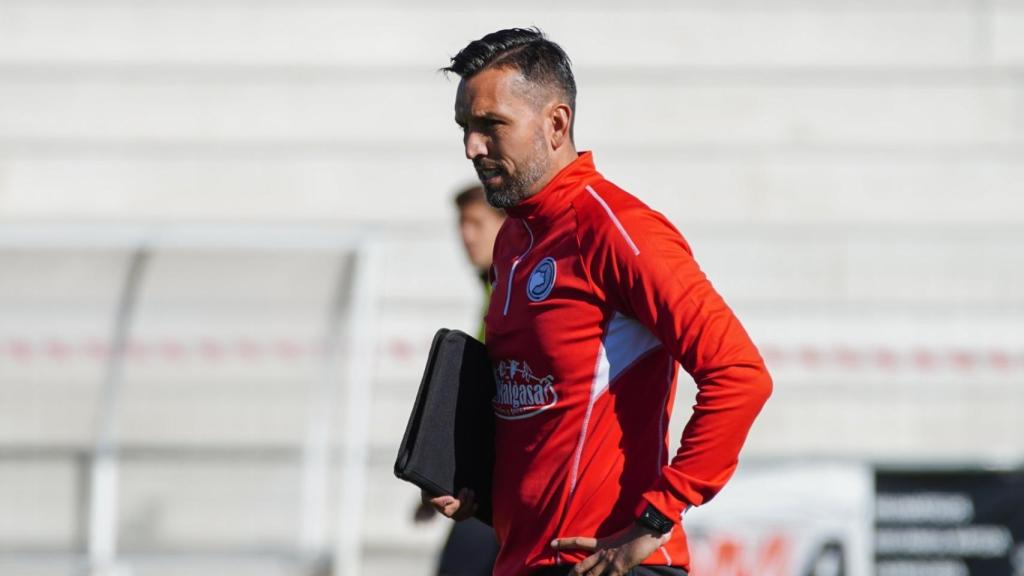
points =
(652, 519)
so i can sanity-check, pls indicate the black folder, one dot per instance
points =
(449, 440)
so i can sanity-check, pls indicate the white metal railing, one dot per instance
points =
(348, 328)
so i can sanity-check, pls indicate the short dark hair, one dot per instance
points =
(470, 195)
(527, 50)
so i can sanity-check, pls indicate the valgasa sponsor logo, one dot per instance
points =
(521, 393)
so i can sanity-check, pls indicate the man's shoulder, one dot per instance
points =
(612, 221)
(604, 209)
(601, 202)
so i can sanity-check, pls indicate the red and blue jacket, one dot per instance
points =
(597, 300)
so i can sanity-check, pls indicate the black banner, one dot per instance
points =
(949, 523)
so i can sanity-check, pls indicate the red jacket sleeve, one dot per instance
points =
(644, 268)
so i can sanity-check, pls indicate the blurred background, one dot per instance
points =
(227, 237)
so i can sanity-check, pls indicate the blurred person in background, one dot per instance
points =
(472, 545)
(598, 301)
(479, 223)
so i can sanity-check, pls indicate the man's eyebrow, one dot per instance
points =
(462, 117)
(486, 116)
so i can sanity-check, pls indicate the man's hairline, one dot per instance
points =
(558, 95)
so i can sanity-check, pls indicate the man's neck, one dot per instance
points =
(567, 155)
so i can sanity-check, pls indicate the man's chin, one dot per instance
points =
(501, 197)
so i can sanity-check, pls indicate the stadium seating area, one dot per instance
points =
(849, 174)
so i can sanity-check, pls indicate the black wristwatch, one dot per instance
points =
(655, 520)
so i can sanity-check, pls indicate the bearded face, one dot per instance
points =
(504, 135)
(508, 181)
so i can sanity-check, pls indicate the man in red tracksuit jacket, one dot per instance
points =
(597, 300)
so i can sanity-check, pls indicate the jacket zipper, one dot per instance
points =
(515, 263)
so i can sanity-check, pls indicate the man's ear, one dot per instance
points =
(561, 121)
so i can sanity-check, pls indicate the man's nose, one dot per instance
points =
(476, 145)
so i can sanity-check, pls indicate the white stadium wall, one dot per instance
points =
(849, 173)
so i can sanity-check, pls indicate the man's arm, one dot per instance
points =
(645, 268)
(641, 265)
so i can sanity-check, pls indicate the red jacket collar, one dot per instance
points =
(554, 198)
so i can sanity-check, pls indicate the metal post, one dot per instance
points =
(322, 403)
(83, 479)
(361, 352)
(103, 487)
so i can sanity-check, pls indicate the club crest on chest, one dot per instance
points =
(542, 280)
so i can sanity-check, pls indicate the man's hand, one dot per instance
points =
(614, 555)
(457, 508)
